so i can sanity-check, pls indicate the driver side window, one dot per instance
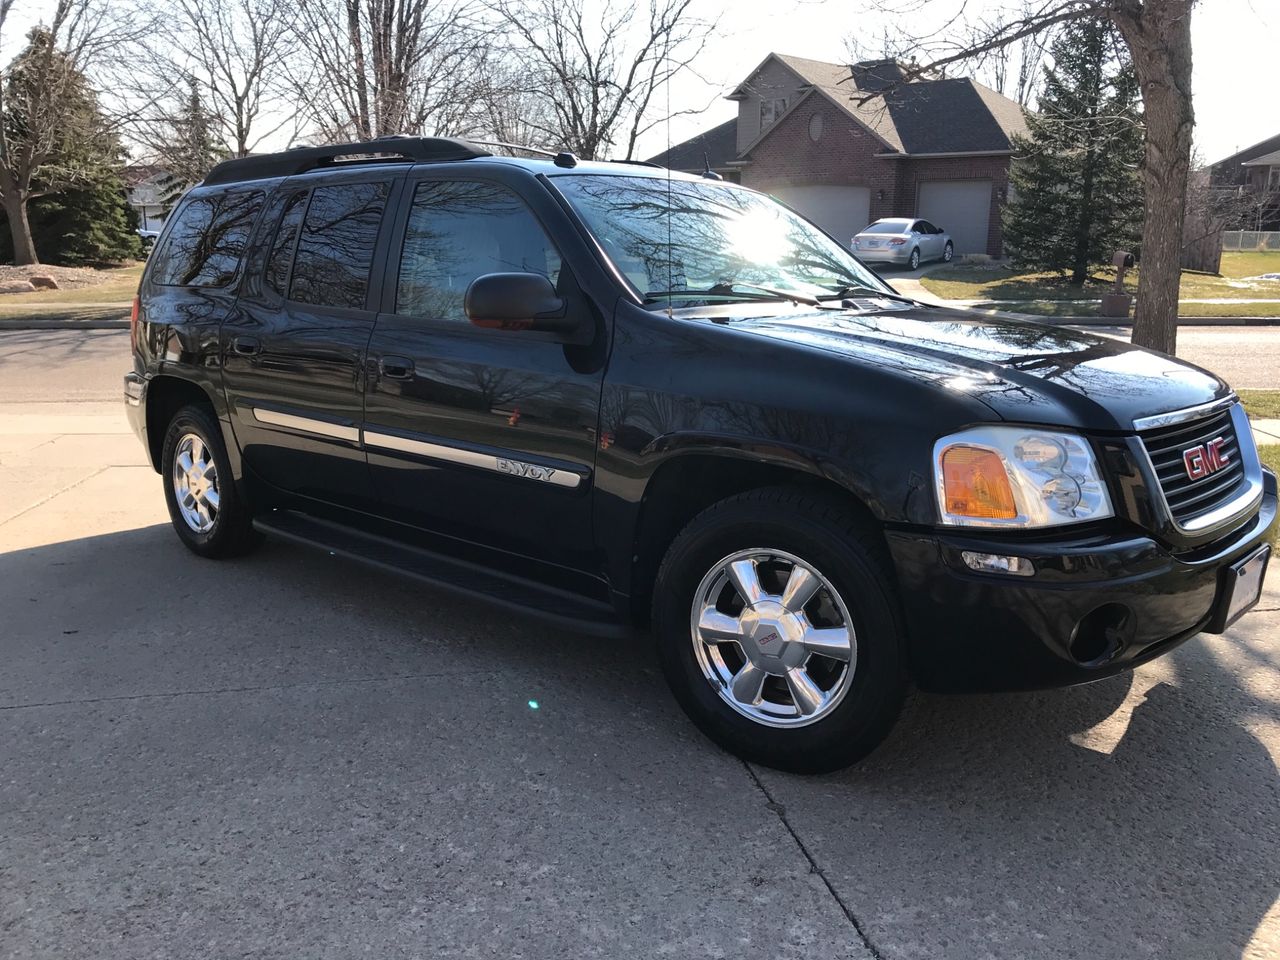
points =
(462, 229)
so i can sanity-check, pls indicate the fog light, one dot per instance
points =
(998, 563)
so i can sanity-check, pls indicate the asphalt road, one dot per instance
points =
(289, 756)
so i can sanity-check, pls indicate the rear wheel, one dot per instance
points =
(914, 262)
(948, 252)
(203, 501)
(777, 628)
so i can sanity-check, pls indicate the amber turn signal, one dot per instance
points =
(975, 484)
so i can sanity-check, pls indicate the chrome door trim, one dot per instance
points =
(473, 458)
(323, 428)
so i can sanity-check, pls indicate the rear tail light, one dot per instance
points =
(897, 241)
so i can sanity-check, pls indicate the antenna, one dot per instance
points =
(707, 172)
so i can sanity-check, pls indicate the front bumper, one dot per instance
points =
(1095, 606)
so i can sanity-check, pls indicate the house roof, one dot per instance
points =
(1249, 154)
(716, 147)
(1271, 159)
(956, 115)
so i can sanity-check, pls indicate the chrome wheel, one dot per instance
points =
(195, 483)
(947, 253)
(773, 637)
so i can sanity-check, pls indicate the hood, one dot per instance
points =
(1024, 371)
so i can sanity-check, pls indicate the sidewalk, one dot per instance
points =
(1266, 431)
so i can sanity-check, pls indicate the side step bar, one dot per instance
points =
(561, 607)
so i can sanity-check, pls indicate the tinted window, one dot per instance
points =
(282, 246)
(206, 241)
(460, 230)
(335, 251)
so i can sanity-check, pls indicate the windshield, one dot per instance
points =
(677, 240)
(888, 226)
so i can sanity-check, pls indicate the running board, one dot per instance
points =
(561, 607)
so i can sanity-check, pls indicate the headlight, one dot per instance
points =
(1005, 476)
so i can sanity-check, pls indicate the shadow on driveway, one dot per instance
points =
(290, 755)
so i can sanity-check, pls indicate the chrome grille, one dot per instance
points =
(1189, 498)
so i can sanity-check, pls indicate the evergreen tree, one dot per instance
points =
(1076, 179)
(63, 196)
(191, 146)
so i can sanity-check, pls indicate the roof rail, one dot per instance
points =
(513, 146)
(301, 159)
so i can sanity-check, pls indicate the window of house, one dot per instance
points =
(771, 110)
(282, 246)
(335, 249)
(207, 240)
(459, 230)
(1273, 181)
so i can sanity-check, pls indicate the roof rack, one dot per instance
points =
(300, 160)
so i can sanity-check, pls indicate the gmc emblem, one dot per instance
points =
(1205, 459)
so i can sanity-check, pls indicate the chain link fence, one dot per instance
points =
(1263, 240)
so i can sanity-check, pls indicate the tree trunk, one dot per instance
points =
(1159, 36)
(24, 248)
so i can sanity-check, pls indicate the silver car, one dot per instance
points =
(903, 241)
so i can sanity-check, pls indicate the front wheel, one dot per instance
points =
(777, 628)
(914, 262)
(948, 252)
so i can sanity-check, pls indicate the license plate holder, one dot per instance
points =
(1241, 589)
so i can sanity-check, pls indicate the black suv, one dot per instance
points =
(610, 394)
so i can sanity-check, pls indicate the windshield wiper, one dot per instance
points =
(756, 293)
(774, 292)
(853, 288)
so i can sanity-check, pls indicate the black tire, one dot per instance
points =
(850, 553)
(948, 252)
(231, 533)
(914, 262)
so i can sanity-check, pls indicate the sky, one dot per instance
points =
(1235, 47)
(1235, 51)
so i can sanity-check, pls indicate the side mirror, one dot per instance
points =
(516, 301)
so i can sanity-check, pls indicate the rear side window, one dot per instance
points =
(460, 230)
(282, 246)
(207, 241)
(335, 250)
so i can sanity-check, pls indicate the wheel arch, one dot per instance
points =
(689, 482)
(166, 395)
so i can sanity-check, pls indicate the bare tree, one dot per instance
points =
(237, 50)
(1158, 34)
(50, 127)
(600, 70)
(372, 68)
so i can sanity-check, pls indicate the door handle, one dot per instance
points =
(396, 368)
(246, 346)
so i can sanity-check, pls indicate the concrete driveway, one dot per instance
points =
(289, 756)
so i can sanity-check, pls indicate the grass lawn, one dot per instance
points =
(1261, 404)
(983, 282)
(120, 286)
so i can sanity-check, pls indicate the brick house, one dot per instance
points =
(1253, 176)
(846, 145)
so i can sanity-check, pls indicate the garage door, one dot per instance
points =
(960, 207)
(841, 211)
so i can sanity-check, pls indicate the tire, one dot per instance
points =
(215, 522)
(914, 262)
(859, 691)
(948, 252)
